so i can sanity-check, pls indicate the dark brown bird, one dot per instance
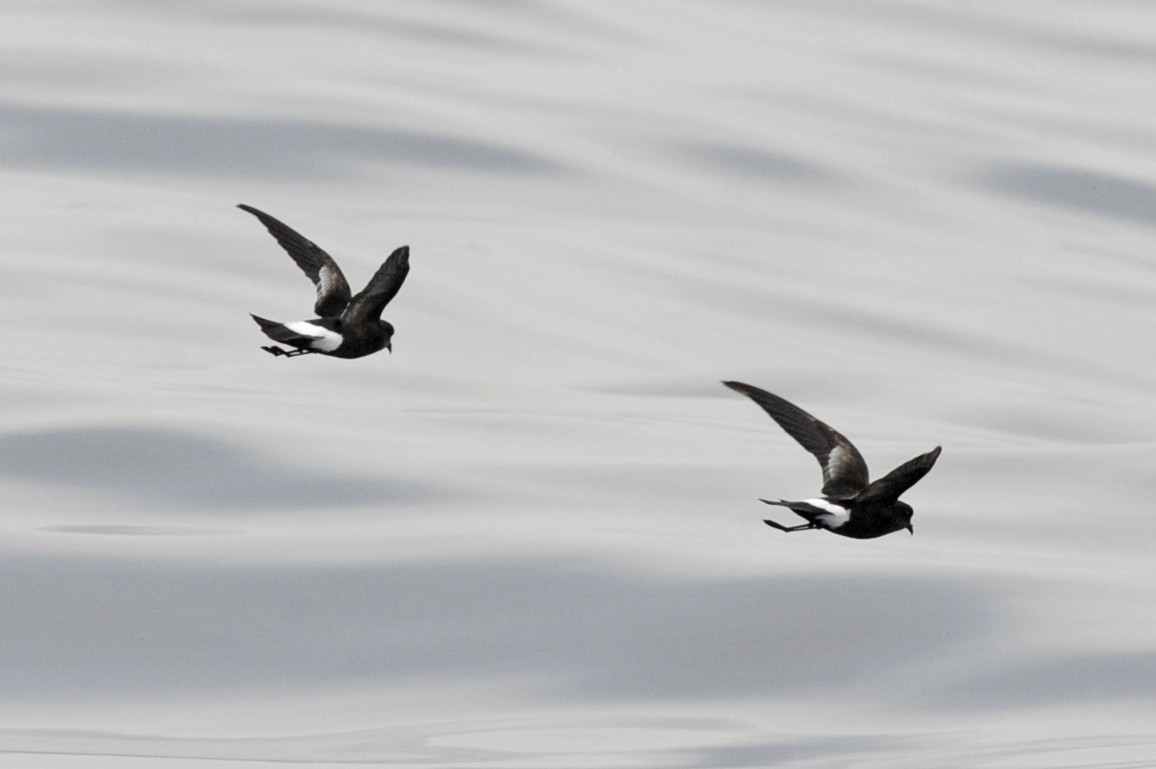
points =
(347, 326)
(850, 506)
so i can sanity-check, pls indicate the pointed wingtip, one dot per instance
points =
(255, 212)
(742, 388)
(398, 260)
(264, 217)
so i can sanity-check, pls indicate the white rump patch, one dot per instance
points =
(324, 339)
(832, 516)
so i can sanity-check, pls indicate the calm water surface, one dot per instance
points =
(531, 536)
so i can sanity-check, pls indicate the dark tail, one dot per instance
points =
(278, 333)
(802, 510)
(263, 322)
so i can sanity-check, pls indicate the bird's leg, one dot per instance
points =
(781, 527)
(277, 351)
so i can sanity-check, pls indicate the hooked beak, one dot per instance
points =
(911, 529)
(389, 347)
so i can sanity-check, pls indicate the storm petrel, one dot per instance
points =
(850, 506)
(347, 326)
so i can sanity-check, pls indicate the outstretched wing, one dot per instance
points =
(889, 487)
(382, 287)
(844, 470)
(332, 289)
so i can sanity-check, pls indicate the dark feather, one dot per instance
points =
(844, 469)
(889, 488)
(332, 289)
(368, 304)
(279, 332)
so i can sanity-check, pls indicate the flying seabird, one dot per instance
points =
(850, 506)
(347, 326)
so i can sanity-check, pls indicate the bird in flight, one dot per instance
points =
(347, 326)
(850, 506)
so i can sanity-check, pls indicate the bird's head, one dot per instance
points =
(904, 514)
(387, 332)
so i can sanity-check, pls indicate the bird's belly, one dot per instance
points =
(358, 344)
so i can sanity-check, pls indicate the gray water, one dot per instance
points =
(531, 536)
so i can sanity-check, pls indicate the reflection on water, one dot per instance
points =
(573, 628)
(1096, 193)
(531, 536)
(72, 139)
(172, 468)
(589, 743)
(115, 530)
